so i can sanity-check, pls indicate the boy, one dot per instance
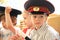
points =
(39, 11)
(27, 21)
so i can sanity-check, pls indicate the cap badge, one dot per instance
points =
(36, 9)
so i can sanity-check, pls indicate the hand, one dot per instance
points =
(15, 37)
(8, 9)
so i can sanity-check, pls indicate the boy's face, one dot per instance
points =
(38, 19)
(27, 19)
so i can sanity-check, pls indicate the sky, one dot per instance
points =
(19, 4)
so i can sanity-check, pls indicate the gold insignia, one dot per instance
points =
(36, 9)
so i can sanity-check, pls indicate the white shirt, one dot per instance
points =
(7, 33)
(59, 37)
(44, 33)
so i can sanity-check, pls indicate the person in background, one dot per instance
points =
(27, 20)
(28, 23)
(6, 33)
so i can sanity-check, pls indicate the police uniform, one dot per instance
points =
(39, 7)
(5, 33)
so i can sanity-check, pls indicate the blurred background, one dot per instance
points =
(19, 4)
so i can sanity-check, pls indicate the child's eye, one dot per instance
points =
(41, 16)
(34, 16)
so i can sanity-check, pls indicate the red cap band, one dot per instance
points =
(41, 9)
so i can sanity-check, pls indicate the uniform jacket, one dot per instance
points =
(44, 33)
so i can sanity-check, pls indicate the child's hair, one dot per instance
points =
(3, 18)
